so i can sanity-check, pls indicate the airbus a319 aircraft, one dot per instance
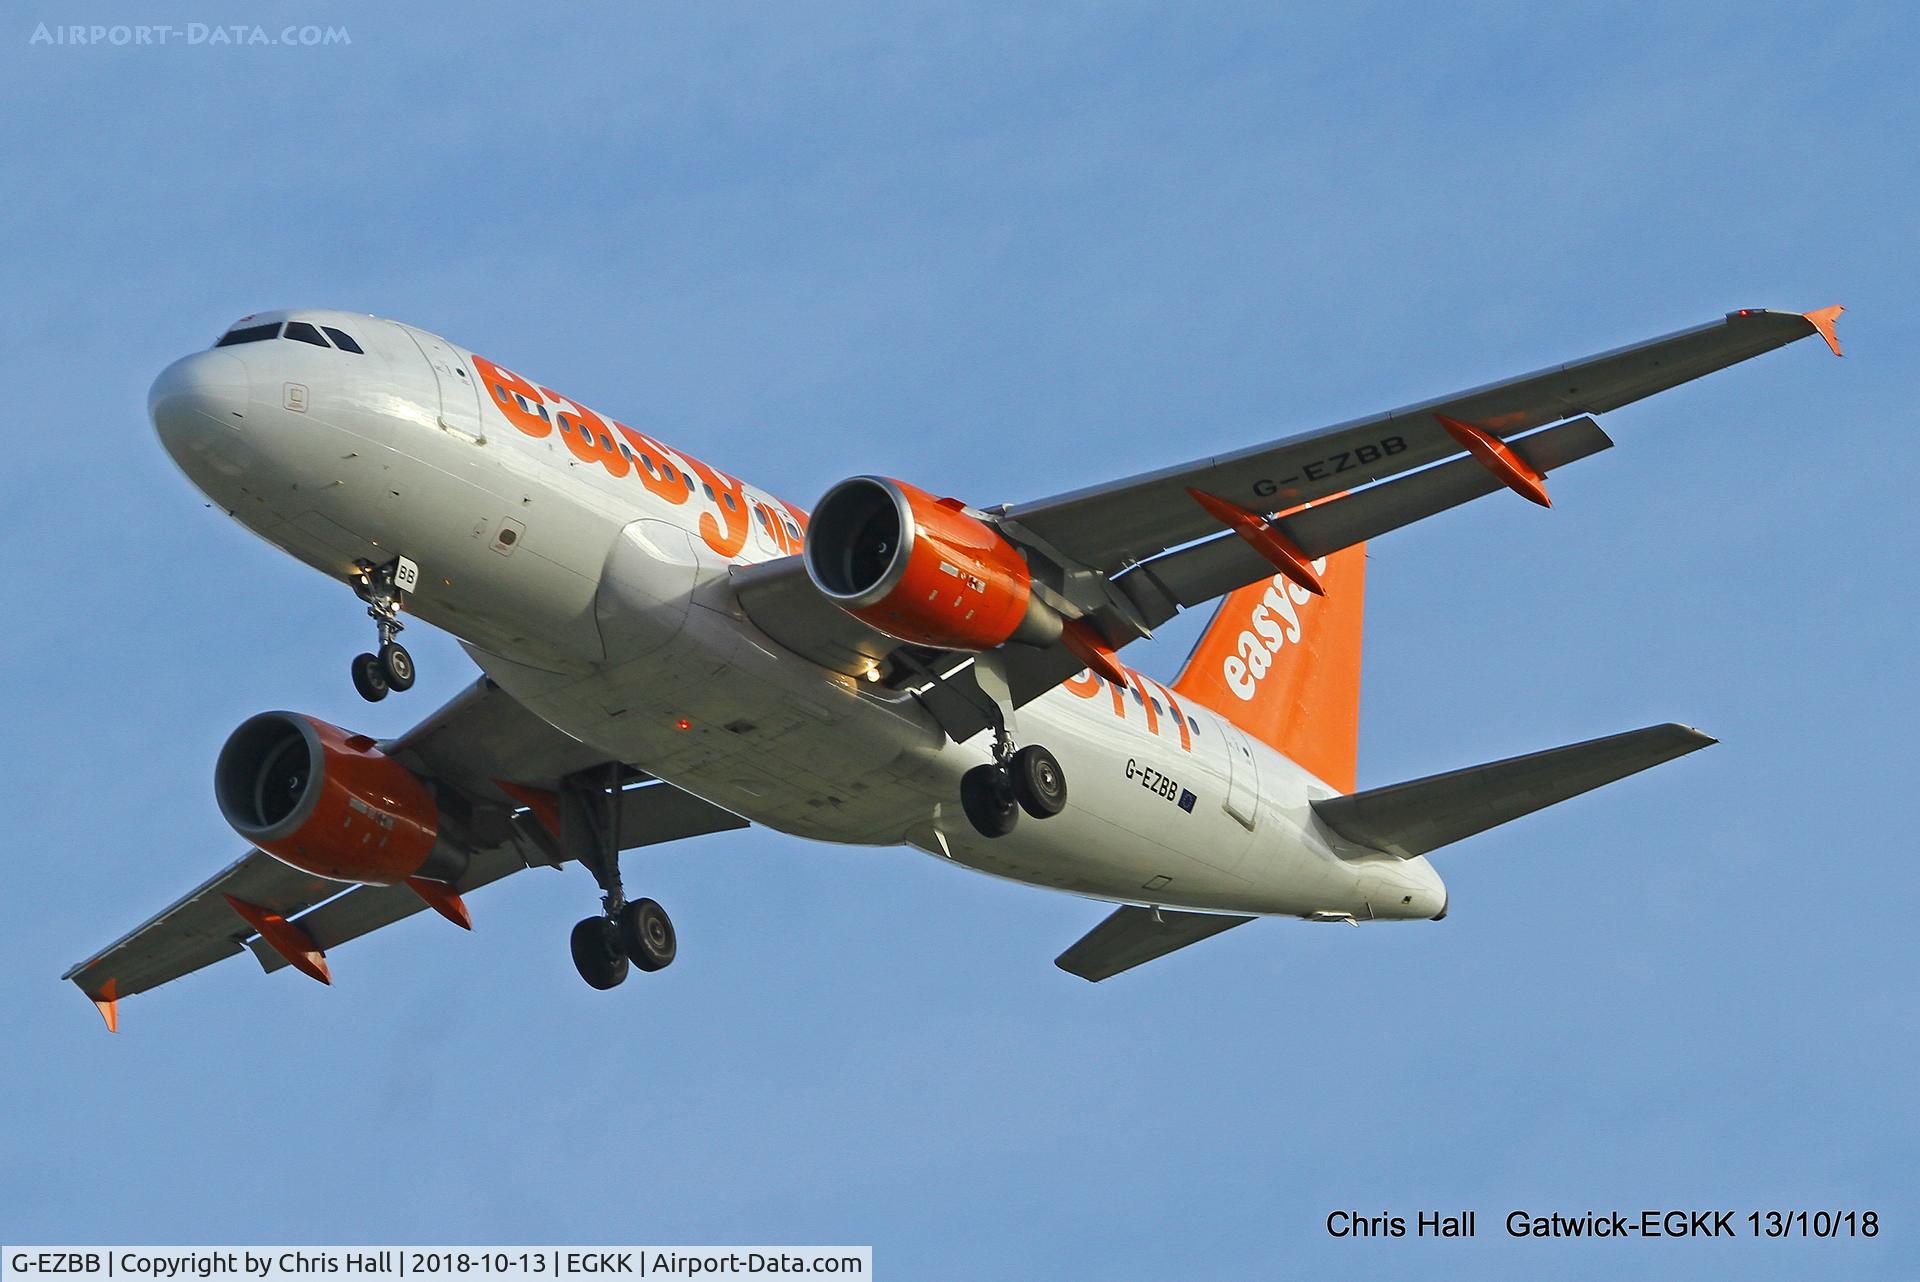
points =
(670, 651)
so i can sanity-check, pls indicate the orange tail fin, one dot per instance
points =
(1284, 665)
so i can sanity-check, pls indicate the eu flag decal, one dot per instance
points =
(1186, 800)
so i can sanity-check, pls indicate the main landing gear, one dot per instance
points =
(1031, 780)
(627, 933)
(384, 588)
(638, 933)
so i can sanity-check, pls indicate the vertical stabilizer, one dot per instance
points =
(1284, 665)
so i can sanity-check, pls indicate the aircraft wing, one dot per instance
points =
(1108, 527)
(650, 813)
(478, 741)
(782, 601)
(1127, 556)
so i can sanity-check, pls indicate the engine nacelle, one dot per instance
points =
(921, 569)
(325, 801)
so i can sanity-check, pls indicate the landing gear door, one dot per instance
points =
(459, 398)
(1243, 777)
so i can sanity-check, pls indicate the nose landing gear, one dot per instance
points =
(384, 588)
(1031, 780)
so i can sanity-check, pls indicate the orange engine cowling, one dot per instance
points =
(921, 569)
(325, 801)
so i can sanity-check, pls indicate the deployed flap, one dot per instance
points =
(1134, 936)
(479, 739)
(201, 927)
(1196, 574)
(658, 812)
(364, 909)
(1409, 819)
(783, 602)
(649, 815)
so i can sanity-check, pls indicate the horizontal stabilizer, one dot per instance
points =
(1409, 819)
(1134, 936)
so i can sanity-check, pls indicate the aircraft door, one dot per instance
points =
(459, 395)
(1243, 776)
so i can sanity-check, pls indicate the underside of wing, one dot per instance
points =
(1074, 578)
(198, 929)
(651, 813)
(1112, 525)
(510, 792)
(782, 600)
(1200, 572)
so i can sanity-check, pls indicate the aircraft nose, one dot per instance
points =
(195, 396)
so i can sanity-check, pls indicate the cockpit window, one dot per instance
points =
(302, 332)
(343, 340)
(249, 334)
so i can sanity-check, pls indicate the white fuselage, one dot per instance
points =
(599, 597)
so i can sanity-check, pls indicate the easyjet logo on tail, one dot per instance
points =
(1272, 625)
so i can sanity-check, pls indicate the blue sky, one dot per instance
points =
(1004, 251)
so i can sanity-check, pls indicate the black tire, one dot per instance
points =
(986, 794)
(397, 665)
(646, 935)
(597, 955)
(369, 677)
(1038, 782)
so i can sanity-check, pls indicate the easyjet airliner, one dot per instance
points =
(669, 651)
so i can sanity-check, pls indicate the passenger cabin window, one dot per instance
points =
(301, 332)
(249, 334)
(343, 340)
